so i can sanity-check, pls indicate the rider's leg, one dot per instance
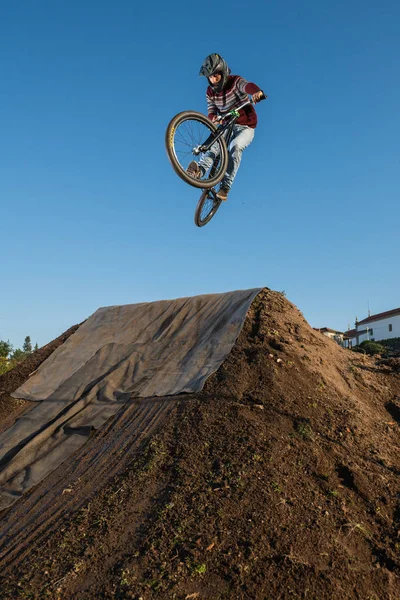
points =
(242, 136)
(208, 157)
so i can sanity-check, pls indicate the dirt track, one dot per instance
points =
(280, 480)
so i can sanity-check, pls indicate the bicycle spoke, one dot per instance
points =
(188, 135)
(207, 207)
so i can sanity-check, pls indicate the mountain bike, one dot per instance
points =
(191, 134)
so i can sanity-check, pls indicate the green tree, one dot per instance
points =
(4, 365)
(18, 356)
(36, 347)
(27, 347)
(5, 348)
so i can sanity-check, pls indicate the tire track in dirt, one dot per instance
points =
(31, 520)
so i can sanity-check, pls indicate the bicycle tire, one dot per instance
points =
(200, 219)
(180, 169)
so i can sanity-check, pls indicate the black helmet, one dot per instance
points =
(214, 63)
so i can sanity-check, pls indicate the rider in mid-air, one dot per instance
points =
(224, 93)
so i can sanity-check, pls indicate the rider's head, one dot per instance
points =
(216, 70)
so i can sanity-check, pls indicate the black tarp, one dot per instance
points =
(121, 352)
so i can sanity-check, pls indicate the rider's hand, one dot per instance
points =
(217, 119)
(258, 96)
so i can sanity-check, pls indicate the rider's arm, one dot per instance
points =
(250, 88)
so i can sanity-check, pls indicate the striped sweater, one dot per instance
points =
(234, 94)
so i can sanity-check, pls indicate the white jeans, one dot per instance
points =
(241, 137)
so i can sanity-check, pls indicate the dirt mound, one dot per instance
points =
(394, 363)
(279, 480)
(13, 379)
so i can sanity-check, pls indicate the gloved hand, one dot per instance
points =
(258, 96)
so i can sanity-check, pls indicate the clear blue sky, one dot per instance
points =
(92, 213)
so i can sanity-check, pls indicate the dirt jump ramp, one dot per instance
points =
(146, 350)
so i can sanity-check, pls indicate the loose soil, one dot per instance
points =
(280, 480)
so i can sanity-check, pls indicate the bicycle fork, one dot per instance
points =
(213, 138)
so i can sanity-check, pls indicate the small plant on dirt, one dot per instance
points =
(305, 431)
(199, 569)
(154, 584)
(276, 487)
(312, 404)
(333, 493)
(196, 568)
(154, 452)
(78, 566)
(125, 575)
(101, 522)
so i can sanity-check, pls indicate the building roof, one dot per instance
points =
(350, 333)
(379, 316)
(327, 329)
(353, 333)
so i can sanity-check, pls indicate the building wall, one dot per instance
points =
(336, 337)
(380, 329)
(329, 334)
(350, 343)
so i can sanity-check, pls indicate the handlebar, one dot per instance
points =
(246, 103)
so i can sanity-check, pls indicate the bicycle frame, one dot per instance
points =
(232, 116)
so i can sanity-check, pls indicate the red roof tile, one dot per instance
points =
(379, 316)
(350, 333)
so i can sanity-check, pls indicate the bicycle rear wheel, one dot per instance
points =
(185, 133)
(206, 207)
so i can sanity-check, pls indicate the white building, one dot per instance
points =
(381, 326)
(350, 338)
(336, 336)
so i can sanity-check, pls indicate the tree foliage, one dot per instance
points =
(4, 365)
(18, 355)
(5, 348)
(10, 357)
(27, 347)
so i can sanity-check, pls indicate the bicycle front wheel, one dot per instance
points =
(206, 207)
(187, 132)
